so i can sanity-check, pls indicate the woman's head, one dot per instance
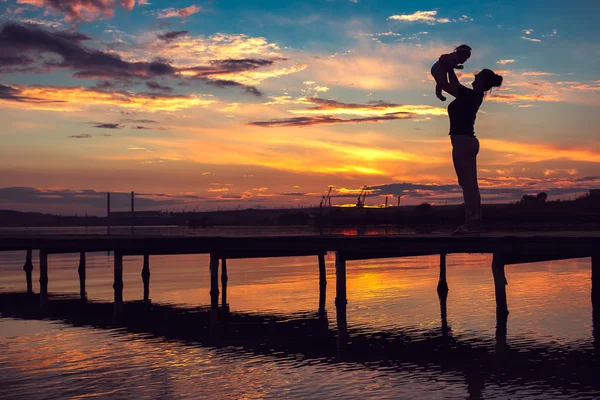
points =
(486, 79)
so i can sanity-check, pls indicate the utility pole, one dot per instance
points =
(108, 213)
(132, 211)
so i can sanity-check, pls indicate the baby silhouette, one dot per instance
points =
(447, 62)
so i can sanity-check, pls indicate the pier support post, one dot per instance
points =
(501, 327)
(214, 280)
(214, 295)
(595, 279)
(443, 297)
(442, 287)
(146, 278)
(118, 284)
(596, 304)
(28, 267)
(322, 284)
(43, 278)
(224, 279)
(81, 272)
(341, 302)
(500, 283)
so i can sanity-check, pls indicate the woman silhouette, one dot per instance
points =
(465, 146)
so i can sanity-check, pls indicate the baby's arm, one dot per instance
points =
(450, 62)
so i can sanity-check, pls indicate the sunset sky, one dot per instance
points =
(226, 104)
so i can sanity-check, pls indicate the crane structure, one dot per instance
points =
(360, 203)
(326, 199)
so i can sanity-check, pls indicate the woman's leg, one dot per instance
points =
(464, 157)
(476, 211)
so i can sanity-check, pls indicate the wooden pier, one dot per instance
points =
(506, 249)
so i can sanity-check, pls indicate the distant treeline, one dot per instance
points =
(533, 212)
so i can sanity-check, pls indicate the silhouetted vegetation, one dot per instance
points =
(530, 212)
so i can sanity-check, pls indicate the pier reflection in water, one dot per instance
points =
(398, 338)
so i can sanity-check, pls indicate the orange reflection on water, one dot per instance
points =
(548, 299)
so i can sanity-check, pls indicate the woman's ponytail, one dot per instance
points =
(491, 79)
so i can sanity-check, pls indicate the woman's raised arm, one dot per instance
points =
(452, 85)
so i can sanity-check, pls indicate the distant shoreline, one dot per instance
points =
(530, 213)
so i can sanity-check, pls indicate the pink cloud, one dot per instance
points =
(87, 10)
(182, 13)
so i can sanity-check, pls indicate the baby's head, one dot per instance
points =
(464, 52)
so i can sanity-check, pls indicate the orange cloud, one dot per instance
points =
(515, 98)
(190, 50)
(537, 73)
(540, 152)
(374, 66)
(333, 107)
(74, 98)
(327, 120)
(321, 114)
(256, 77)
(592, 87)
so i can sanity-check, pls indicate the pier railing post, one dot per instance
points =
(118, 283)
(81, 272)
(224, 279)
(500, 283)
(28, 268)
(322, 284)
(146, 278)
(43, 278)
(442, 283)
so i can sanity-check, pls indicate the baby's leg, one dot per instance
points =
(438, 93)
(440, 76)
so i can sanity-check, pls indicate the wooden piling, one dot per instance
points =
(341, 302)
(340, 280)
(442, 283)
(81, 272)
(501, 328)
(322, 284)
(28, 268)
(224, 279)
(443, 297)
(43, 278)
(214, 280)
(118, 283)
(500, 283)
(146, 278)
(596, 305)
(596, 279)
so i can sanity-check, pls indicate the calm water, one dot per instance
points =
(276, 346)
